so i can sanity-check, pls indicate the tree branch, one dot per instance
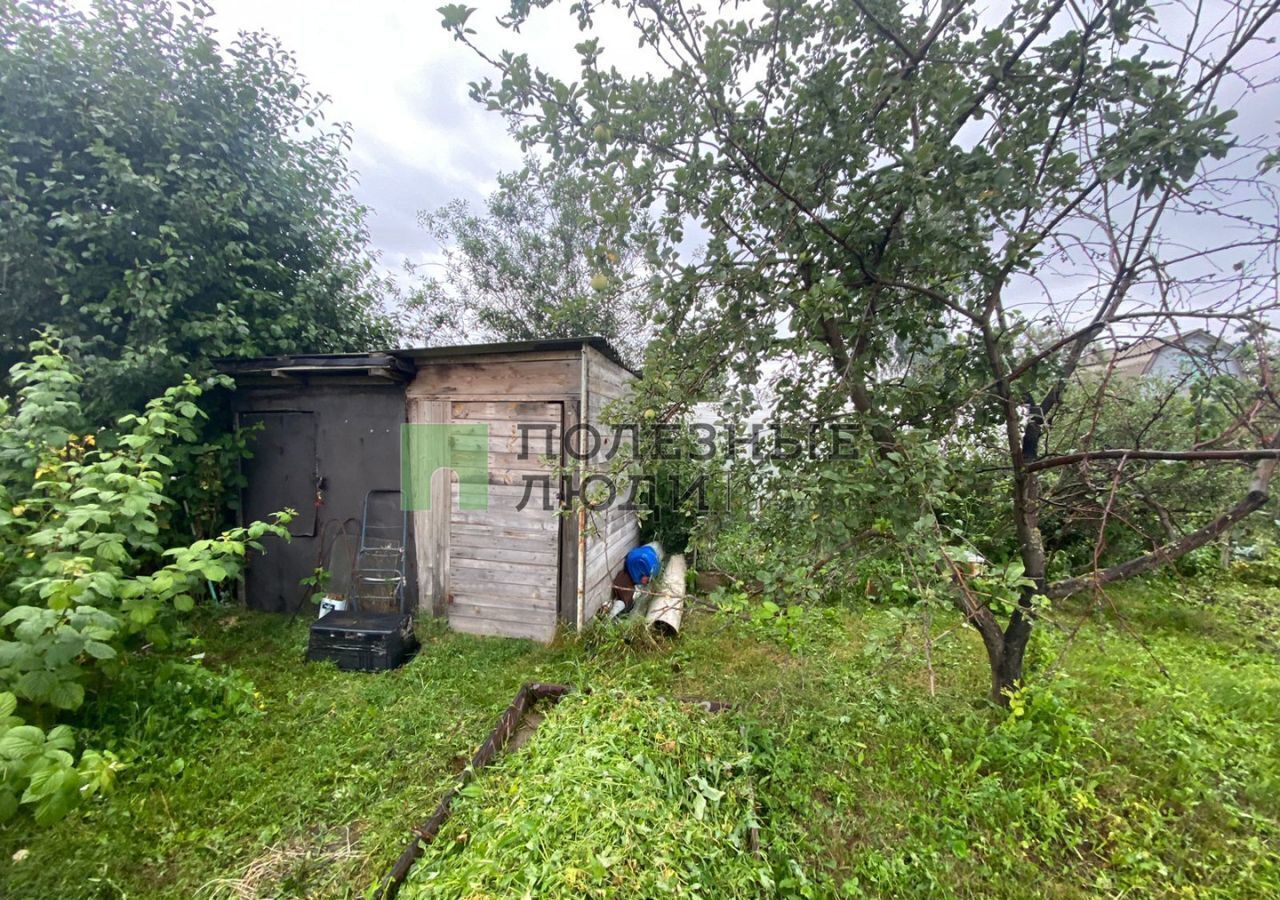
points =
(1255, 499)
(1067, 459)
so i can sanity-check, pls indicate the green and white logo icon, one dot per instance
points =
(427, 448)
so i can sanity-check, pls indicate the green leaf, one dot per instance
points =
(20, 614)
(36, 685)
(21, 742)
(54, 789)
(66, 647)
(99, 650)
(60, 737)
(13, 651)
(213, 571)
(67, 695)
(8, 804)
(454, 15)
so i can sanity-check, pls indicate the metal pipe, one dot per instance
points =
(584, 419)
(666, 601)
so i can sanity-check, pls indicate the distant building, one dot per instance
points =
(1171, 356)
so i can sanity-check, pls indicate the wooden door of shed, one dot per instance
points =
(504, 561)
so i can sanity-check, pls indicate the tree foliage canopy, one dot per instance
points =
(923, 217)
(535, 264)
(165, 200)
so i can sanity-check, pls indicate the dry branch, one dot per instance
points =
(1252, 501)
(1067, 459)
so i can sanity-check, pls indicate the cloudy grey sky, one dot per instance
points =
(420, 141)
(401, 81)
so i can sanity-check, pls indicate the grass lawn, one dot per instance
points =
(1146, 763)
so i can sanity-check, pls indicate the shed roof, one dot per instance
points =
(399, 364)
(456, 350)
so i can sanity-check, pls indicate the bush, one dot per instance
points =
(83, 570)
(184, 190)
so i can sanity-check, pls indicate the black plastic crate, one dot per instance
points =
(362, 642)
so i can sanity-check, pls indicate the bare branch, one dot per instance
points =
(1053, 462)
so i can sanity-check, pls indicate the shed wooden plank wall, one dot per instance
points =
(498, 571)
(611, 530)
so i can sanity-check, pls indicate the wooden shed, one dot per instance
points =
(330, 428)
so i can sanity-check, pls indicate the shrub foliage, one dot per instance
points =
(84, 574)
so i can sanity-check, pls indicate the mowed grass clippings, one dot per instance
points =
(615, 795)
(1144, 764)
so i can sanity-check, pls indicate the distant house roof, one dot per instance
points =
(399, 365)
(1143, 355)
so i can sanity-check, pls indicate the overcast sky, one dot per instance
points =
(401, 81)
(420, 141)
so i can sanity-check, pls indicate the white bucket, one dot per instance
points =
(332, 604)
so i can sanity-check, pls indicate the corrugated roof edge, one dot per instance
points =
(386, 358)
(594, 341)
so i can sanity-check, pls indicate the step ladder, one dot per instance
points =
(378, 579)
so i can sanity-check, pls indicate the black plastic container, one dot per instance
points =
(362, 642)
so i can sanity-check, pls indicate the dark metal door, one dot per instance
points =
(281, 474)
